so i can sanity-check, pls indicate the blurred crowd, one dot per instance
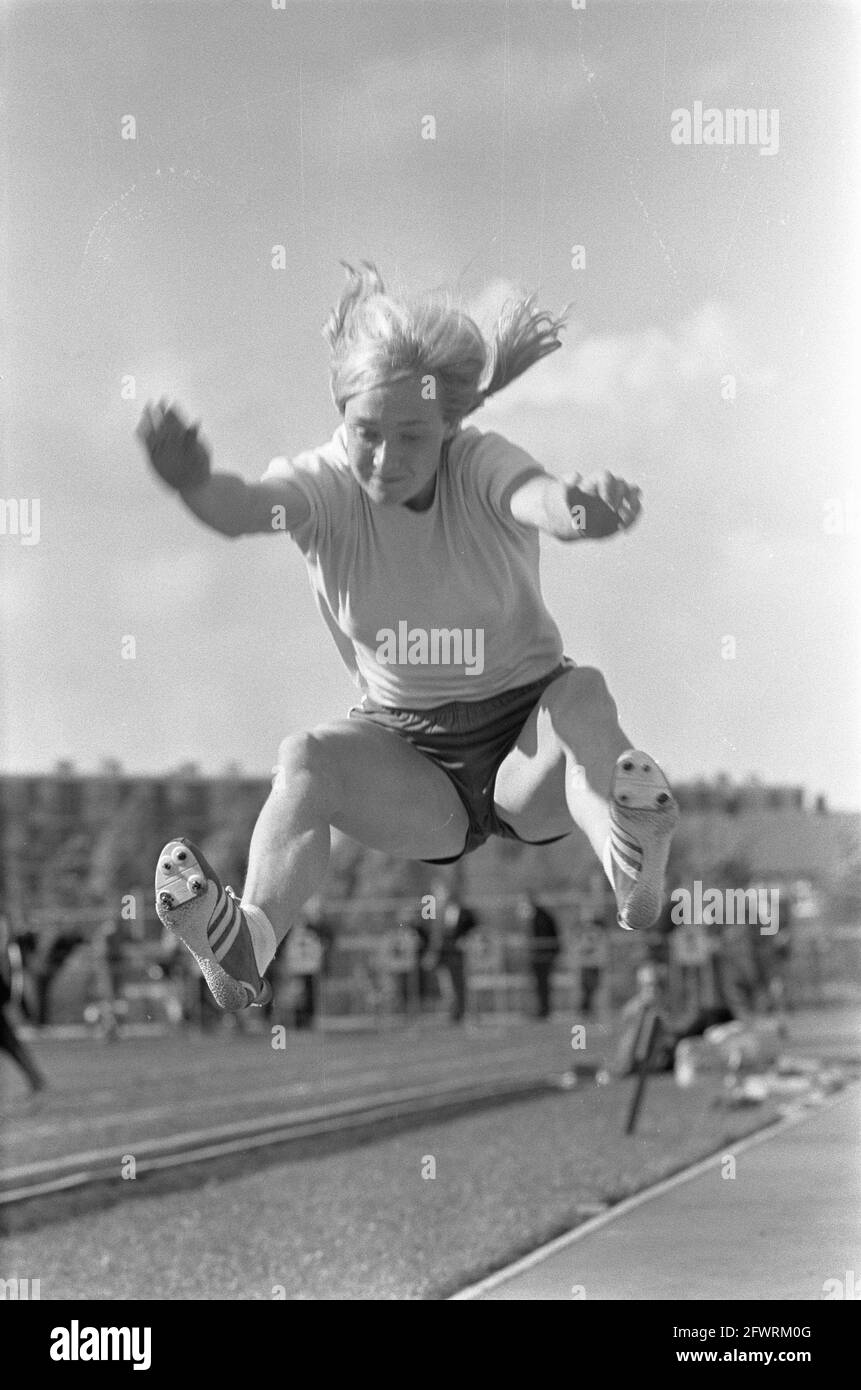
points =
(439, 960)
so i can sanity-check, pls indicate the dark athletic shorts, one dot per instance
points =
(468, 739)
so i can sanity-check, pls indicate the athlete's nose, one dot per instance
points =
(384, 461)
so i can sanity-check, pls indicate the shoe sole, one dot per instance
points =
(642, 804)
(182, 880)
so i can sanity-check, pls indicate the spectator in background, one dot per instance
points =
(698, 950)
(400, 947)
(50, 957)
(176, 968)
(107, 960)
(280, 1008)
(591, 956)
(317, 921)
(10, 967)
(543, 948)
(304, 961)
(657, 941)
(740, 968)
(636, 1021)
(27, 944)
(425, 973)
(454, 921)
(300, 965)
(782, 952)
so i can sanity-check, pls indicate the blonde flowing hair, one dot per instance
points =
(375, 339)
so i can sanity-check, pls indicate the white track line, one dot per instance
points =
(648, 1194)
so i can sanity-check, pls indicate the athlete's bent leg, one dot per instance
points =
(364, 781)
(558, 773)
(568, 768)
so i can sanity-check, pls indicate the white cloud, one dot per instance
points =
(648, 370)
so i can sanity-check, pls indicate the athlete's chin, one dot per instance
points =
(389, 495)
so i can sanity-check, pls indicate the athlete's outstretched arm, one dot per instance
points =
(223, 501)
(575, 508)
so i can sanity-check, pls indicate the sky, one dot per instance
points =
(711, 355)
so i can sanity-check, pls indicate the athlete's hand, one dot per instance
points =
(602, 506)
(175, 451)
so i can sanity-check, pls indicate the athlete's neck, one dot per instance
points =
(423, 500)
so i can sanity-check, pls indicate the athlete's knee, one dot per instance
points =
(581, 694)
(295, 753)
(303, 764)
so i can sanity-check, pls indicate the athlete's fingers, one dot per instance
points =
(629, 512)
(173, 419)
(172, 432)
(604, 487)
(170, 420)
(614, 490)
(150, 430)
(145, 426)
(620, 495)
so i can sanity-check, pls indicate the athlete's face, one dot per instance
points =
(394, 443)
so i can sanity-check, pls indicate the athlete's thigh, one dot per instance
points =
(529, 793)
(389, 796)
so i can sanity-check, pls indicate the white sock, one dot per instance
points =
(262, 936)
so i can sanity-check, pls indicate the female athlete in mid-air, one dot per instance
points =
(421, 537)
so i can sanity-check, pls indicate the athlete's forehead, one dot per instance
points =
(372, 420)
(401, 402)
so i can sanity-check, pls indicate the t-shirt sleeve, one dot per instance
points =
(317, 481)
(497, 469)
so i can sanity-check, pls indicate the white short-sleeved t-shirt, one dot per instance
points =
(433, 606)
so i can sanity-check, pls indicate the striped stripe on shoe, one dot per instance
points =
(225, 925)
(626, 853)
